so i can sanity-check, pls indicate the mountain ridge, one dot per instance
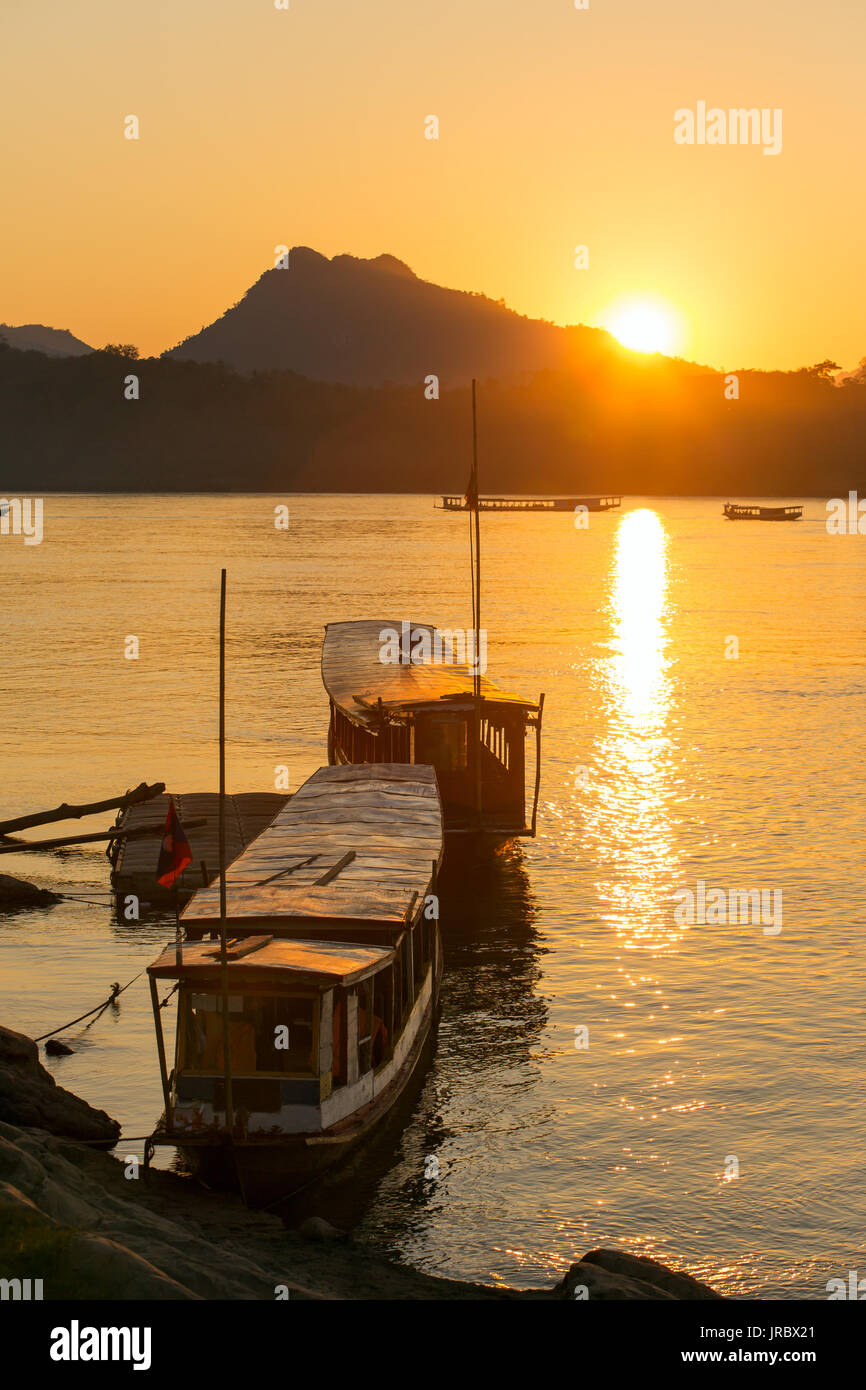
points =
(37, 337)
(374, 322)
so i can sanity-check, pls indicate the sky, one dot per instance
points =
(262, 126)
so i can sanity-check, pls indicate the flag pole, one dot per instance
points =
(224, 972)
(178, 949)
(476, 607)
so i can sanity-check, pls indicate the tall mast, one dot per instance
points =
(477, 596)
(476, 604)
(224, 972)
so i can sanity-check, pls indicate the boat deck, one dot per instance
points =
(356, 678)
(356, 843)
(134, 871)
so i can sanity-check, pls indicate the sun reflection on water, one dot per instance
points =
(629, 819)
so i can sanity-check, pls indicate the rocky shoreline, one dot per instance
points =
(72, 1218)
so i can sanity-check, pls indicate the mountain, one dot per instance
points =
(374, 322)
(35, 337)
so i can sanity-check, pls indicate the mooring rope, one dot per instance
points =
(124, 1139)
(116, 991)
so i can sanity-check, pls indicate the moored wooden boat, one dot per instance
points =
(424, 707)
(329, 990)
(734, 511)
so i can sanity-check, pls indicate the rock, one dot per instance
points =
(595, 1284)
(678, 1285)
(607, 1274)
(96, 1238)
(73, 1264)
(16, 892)
(317, 1228)
(30, 1096)
(55, 1048)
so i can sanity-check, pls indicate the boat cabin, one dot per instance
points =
(330, 980)
(315, 1029)
(405, 691)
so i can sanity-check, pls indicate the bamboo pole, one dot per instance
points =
(64, 811)
(160, 1047)
(224, 971)
(137, 833)
(476, 608)
(537, 761)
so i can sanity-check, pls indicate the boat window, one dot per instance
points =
(339, 1074)
(417, 955)
(373, 1037)
(399, 991)
(445, 743)
(408, 976)
(267, 1033)
(383, 1008)
(365, 1027)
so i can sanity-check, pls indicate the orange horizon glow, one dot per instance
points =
(307, 126)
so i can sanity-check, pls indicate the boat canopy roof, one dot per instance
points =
(354, 843)
(356, 677)
(272, 960)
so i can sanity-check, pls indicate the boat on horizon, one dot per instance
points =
(459, 502)
(327, 992)
(735, 511)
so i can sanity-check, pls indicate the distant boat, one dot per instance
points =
(735, 512)
(456, 502)
(329, 991)
(430, 707)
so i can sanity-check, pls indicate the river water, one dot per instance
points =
(606, 1072)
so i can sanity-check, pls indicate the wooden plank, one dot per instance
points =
(135, 866)
(335, 869)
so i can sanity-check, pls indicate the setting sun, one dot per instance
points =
(644, 325)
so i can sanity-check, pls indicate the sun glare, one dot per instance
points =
(645, 325)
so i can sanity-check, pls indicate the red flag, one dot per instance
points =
(174, 852)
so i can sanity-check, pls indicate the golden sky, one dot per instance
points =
(261, 126)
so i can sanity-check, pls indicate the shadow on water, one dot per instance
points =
(490, 1019)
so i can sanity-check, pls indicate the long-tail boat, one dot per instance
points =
(413, 692)
(458, 502)
(421, 705)
(734, 511)
(308, 983)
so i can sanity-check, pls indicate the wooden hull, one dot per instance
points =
(532, 504)
(764, 514)
(274, 1168)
